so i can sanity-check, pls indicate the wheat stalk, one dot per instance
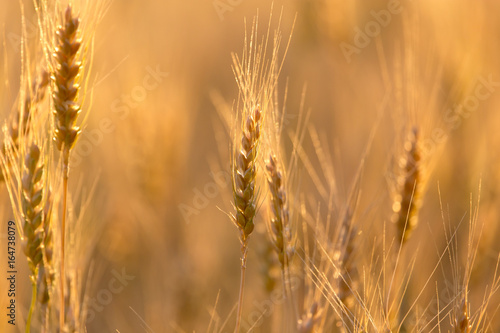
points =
(66, 110)
(244, 194)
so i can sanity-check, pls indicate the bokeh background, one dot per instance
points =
(157, 150)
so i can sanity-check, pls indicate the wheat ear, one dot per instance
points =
(408, 200)
(244, 174)
(279, 222)
(280, 228)
(32, 206)
(66, 110)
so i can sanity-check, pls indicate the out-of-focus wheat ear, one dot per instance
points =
(408, 200)
(309, 319)
(32, 206)
(345, 274)
(64, 77)
(244, 174)
(269, 267)
(280, 227)
(20, 122)
(462, 323)
(32, 184)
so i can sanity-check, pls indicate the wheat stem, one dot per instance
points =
(244, 250)
(32, 305)
(63, 229)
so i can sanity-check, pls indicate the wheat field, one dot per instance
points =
(250, 166)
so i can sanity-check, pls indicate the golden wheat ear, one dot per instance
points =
(64, 77)
(244, 174)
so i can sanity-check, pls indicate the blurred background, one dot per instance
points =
(370, 71)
